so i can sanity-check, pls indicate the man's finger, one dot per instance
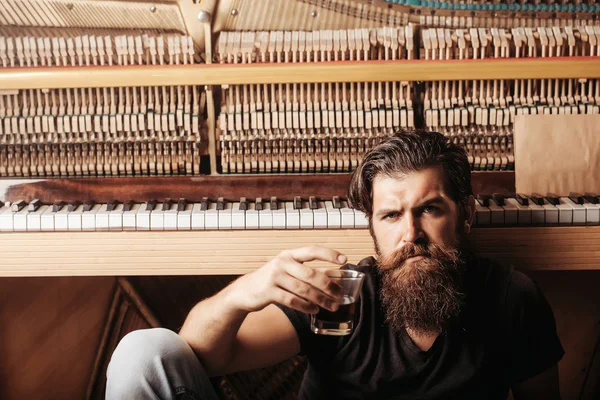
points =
(312, 253)
(314, 278)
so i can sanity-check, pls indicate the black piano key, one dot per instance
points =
(111, 205)
(166, 205)
(484, 199)
(592, 197)
(259, 204)
(56, 207)
(128, 206)
(537, 199)
(498, 198)
(204, 204)
(522, 199)
(297, 203)
(18, 205)
(336, 202)
(220, 203)
(73, 206)
(243, 204)
(576, 198)
(150, 205)
(274, 203)
(553, 199)
(34, 205)
(89, 205)
(312, 202)
(181, 203)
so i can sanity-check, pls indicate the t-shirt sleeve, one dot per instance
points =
(318, 348)
(534, 342)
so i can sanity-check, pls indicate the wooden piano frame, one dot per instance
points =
(238, 252)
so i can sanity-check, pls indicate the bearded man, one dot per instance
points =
(432, 321)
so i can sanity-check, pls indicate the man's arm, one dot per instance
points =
(542, 386)
(240, 328)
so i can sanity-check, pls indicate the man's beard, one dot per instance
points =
(424, 295)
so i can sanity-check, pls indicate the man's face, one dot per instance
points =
(417, 229)
(413, 209)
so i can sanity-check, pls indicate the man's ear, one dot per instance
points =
(469, 213)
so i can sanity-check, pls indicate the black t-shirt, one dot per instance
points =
(506, 334)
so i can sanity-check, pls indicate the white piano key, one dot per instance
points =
(211, 217)
(252, 217)
(74, 219)
(538, 214)
(579, 211)
(497, 213)
(523, 212)
(61, 220)
(170, 218)
(88, 218)
(20, 220)
(483, 215)
(102, 218)
(238, 217)
(334, 216)
(115, 219)
(279, 216)
(47, 220)
(307, 217)
(592, 213)
(157, 218)
(551, 213)
(198, 217)
(265, 217)
(347, 215)
(320, 216)
(511, 212)
(225, 216)
(292, 216)
(142, 218)
(130, 218)
(34, 219)
(6, 220)
(184, 218)
(565, 213)
(360, 219)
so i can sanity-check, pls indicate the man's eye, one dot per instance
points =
(392, 215)
(431, 209)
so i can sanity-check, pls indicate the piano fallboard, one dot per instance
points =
(194, 188)
(240, 252)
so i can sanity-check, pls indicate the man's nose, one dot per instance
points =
(412, 230)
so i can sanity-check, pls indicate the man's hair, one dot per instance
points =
(411, 151)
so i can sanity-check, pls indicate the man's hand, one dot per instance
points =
(287, 281)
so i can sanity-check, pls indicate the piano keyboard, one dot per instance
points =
(301, 213)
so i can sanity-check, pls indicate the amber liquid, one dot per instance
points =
(344, 313)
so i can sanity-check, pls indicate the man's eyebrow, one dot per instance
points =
(433, 200)
(386, 211)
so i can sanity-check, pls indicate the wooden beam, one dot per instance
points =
(335, 71)
(239, 252)
(193, 188)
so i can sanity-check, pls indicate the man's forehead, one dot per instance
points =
(410, 187)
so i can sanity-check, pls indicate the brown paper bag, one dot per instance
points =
(557, 153)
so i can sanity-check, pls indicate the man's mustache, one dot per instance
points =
(407, 251)
(430, 251)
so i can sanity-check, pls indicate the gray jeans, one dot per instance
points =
(156, 364)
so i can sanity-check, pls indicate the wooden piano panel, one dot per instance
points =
(230, 187)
